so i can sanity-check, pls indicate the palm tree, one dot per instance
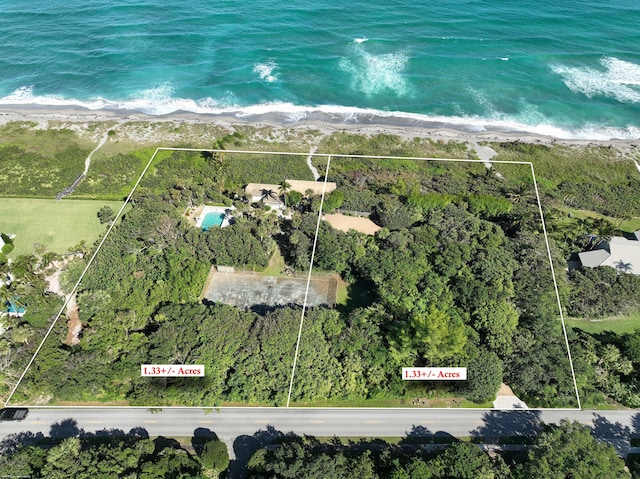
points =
(267, 193)
(284, 189)
(623, 267)
(604, 231)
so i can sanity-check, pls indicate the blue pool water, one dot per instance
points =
(212, 219)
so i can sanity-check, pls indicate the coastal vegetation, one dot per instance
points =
(567, 449)
(443, 279)
(112, 453)
(564, 450)
(458, 275)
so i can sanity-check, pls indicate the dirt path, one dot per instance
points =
(314, 170)
(73, 318)
(73, 322)
(87, 161)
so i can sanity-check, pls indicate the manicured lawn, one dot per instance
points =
(628, 226)
(58, 225)
(623, 325)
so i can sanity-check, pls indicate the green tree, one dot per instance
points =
(568, 450)
(215, 456)
(332, 201)
(463, 460)
(284, 188)
(105, 214)
(436, 335)
(484, 377)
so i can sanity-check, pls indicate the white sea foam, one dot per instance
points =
(375, 74)
(360, 40)
(158, 101)
(265, 71)
(618, 79)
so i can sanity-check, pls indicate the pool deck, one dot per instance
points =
(202, 211)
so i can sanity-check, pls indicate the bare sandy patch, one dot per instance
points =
(345, 223)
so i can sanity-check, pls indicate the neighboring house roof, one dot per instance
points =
(593, 258)
(1, 242)
(621, 253)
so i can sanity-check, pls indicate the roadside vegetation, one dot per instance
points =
(564, 450)
(457, 275)
(443, 278)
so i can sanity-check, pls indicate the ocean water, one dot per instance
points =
(569, 69)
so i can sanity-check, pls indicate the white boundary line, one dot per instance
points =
(555, 287)
(75, 287)
(306, 293)
(328, 156)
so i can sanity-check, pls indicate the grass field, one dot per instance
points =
(57, 225)
(628, 226)
(623, 325)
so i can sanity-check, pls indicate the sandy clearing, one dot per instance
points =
(345, 223)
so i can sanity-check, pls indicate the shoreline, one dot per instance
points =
(365, 125)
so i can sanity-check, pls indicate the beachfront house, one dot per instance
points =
(265, 193)
(272, 194)
(620, 253)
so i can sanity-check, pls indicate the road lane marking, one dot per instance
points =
(372, 422)
(150, 422)
(93, 422)
(316, 422)
(37, 422)
(261, 422)
(205, 422)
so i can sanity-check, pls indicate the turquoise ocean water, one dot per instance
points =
(568, 69)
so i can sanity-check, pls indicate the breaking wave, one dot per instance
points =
(375, 74)
(265, 71)
(160, 101)
(619, 79)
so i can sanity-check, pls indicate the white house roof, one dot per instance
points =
(1, 242)
(623, 254)
(593, 258)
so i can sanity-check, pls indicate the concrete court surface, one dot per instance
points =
(244, 290)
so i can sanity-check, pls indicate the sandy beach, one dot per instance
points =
(165, 130)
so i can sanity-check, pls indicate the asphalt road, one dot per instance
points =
(233, 422)
(244, 430)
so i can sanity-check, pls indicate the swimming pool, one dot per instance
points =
(212, 219)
